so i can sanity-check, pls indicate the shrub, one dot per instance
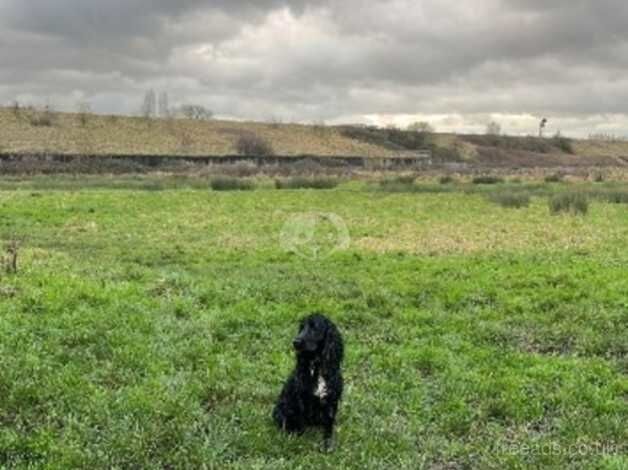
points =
(447, 179)
(239, 169)
(196, 112)
(306, 183)
(405, 179)
(570, 202)
(511, 199)
(44, 118)
(254, 146)
(394, 186)
(527, 144)
(421, 126)
(390, 137)
(554, 178)
(487, 179)
(446, 154)
(613, 197)
(231, 184)
(563, 143)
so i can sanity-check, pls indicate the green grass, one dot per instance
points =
(151, 328)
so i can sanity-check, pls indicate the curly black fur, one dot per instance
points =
(311, 395)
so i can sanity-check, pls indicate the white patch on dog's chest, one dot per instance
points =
(321, 388)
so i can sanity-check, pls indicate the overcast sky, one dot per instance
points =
(455, 63)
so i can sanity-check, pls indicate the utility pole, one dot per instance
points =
(542, 127)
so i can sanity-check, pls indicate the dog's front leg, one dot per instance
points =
(329, 419)
(300, 416)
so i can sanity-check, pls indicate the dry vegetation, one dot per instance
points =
(29, 131)
(133, 135)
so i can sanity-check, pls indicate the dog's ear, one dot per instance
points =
(301, 325)
(333, 347)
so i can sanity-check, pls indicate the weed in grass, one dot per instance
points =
(510, 199)
(487, 179)
(394, 186)
(576, 203)
(405, 179)
(554, 178)
(231, 184)
(611, 196)
(306, 183)
(9, 260)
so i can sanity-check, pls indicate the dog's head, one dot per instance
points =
(318, 336)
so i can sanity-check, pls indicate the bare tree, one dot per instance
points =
(83, 110)
(421, 126)
(16, 108)
(493, 128)
(197, 112)
(150, 104)
(164, 107)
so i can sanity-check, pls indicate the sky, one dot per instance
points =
(457, 64)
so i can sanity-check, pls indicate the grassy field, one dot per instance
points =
(149, 326)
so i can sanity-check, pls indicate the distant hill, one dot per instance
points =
(97, 135)
(27, 131)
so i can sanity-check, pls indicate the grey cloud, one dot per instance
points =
(324, 59)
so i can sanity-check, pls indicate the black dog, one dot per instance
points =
(311, 394)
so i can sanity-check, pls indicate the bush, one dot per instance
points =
(390, 137)
(231, 184)
(554, 178)
(196, 112)
(306, 183)
(446, 154)
(563, 143)
(571, 202)
(613, 197)
(405, 179)
(44, 118)
(487, 179)
(510, 199)
(253, 145)
(446, 179)
(527, 144)
(394, 186)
